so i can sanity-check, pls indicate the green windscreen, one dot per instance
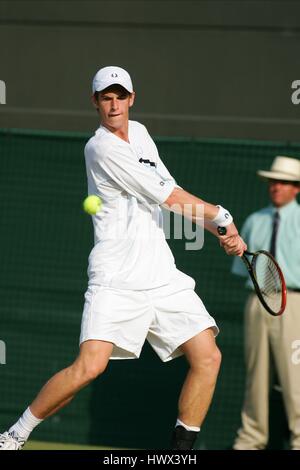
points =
(45, 242)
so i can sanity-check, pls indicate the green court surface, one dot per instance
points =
(40, 445)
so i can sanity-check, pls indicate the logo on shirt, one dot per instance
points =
(147, 161)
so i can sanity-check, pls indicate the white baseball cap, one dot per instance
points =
(283, 168)
(112, 75)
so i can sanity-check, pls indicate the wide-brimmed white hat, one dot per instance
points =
(283, 168)
(112, 75)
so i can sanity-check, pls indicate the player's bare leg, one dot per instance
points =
(91, 362)
(59, 391)
(204, 359)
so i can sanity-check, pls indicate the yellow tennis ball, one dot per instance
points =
(92, 204)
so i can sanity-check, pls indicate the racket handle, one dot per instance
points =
(246, 252)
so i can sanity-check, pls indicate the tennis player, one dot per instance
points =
(135, 291)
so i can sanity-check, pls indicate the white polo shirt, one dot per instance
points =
(130, 250)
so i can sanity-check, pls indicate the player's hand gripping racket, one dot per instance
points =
(267, 279)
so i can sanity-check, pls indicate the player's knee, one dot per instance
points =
(84, 372)
(210, 362)
(217, 358)
(92, 371)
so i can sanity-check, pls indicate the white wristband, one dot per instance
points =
(223, 217)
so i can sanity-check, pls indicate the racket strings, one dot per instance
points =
(269, 281)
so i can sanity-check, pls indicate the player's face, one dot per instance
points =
(113, 104)
(282, 192)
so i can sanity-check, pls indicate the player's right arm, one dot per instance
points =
(207, 215)
(119, 163)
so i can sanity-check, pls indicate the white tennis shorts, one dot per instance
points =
(166, 316)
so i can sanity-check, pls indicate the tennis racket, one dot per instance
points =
(268, 280)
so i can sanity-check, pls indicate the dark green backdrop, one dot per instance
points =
(45, 242)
